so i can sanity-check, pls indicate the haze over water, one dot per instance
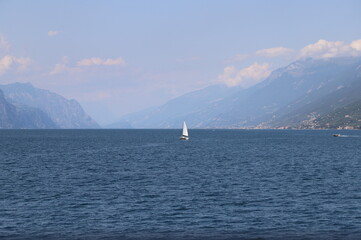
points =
(146, 184)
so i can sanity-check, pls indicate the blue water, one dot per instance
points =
(147, 184)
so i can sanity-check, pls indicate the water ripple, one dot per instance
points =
(146, 184)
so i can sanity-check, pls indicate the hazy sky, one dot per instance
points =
(117, 57)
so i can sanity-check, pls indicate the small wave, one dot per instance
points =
(353, 136)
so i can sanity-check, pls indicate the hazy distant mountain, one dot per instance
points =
(62, 113)
(301, 91)
(334, 92)
(285, 91)
(17, 116)
(171, 114)
(7, 113)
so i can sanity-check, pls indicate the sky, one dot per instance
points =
(119, 57)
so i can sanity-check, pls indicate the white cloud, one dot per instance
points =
(329, 49)
(59, 68)
(4, 44)
(8, 62)
(274, 52)
(356, 45)
(64, 67)
(23, 63)
(53, 33)
(5, 63)
(245, 77)
(98, 61)
(320, 49)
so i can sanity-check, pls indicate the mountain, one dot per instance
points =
(335, 92)
(303, 90)
(286, 91)
(7, 113)
(12, 116)
(176, 110)
(32, 102)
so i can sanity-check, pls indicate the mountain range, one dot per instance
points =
(24, 106)
(308, 93)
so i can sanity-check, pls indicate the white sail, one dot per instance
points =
(185, 130)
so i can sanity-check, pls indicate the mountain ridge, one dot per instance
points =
(18, 116)
(273, 103)
(51, 109)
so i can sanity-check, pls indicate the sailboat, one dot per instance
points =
(184, 132)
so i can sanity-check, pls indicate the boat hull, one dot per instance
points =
(184, 138)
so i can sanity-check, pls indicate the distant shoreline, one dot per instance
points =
(97, 129)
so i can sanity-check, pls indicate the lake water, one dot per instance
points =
(147, 184)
